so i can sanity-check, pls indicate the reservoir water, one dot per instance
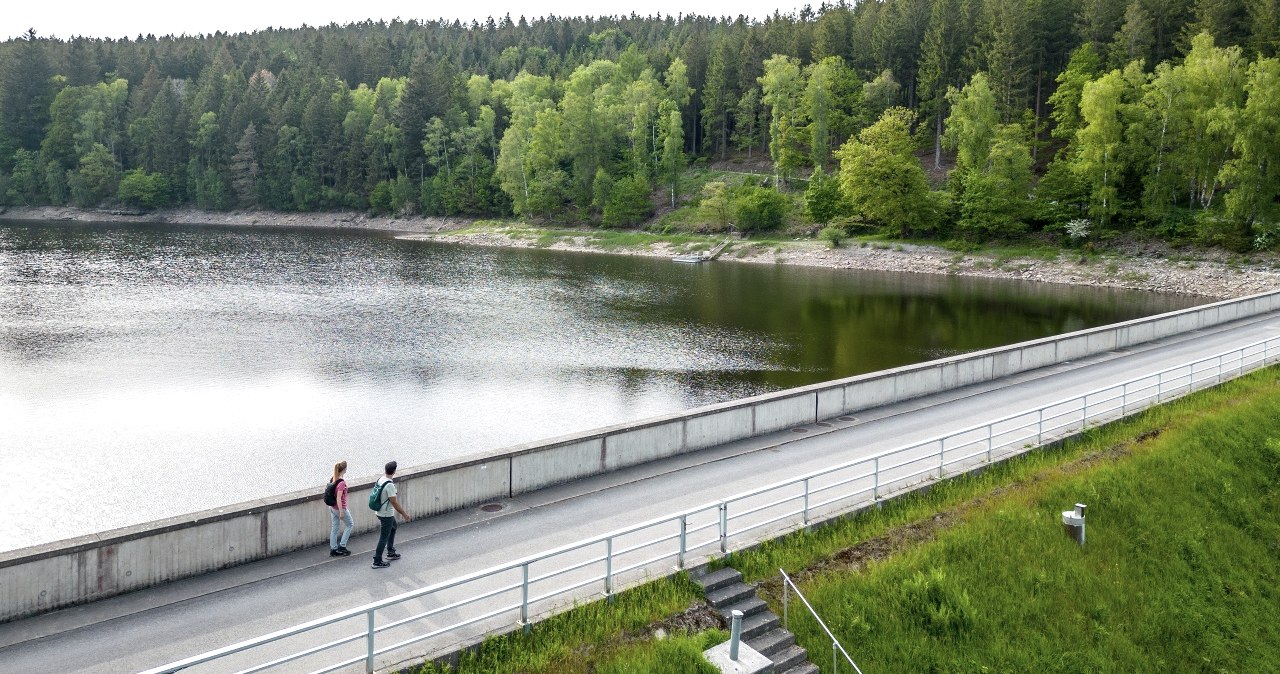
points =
(149, 371)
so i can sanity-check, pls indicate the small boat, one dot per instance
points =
(692, 258)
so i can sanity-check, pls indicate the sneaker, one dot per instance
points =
(334, 552)
(344, 552)
(393, 555)
(380, 565)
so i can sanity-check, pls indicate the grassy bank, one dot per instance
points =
(1180, 571)
(616, 637)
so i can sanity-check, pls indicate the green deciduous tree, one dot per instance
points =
(823, 199)
(1254, 171)
(529, 97)
(781, 88)
(26, 182)
(672, 134)
(147, 190)
(880, 94)
(714, 205)
(971, 126)
(832, 101)
(1099, 159)
(96, 177)
(1187, 127)
(882, 179)
(995, 203)
(1081, 69)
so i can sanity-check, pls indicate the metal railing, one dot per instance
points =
(836, 649)
(484, 602)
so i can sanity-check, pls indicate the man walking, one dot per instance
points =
(387, 517)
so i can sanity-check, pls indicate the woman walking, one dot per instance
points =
(335, 495)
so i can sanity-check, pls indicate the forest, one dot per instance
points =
(959, 119)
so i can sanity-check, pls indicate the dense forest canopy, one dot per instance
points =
(1070, 116)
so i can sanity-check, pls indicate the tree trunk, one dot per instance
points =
(937, 141)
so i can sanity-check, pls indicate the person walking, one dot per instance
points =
(390, 505)
(335, 496)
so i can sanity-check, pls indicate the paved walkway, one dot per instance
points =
(156, 626)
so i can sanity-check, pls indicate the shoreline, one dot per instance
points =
(1205, 273)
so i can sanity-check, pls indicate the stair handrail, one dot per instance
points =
(836, 648)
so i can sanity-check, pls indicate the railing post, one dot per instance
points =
(1160, 387)
(608, 569)
(835, 663)
(1124, 399)
(524, 597)
(684, 529)
(989, 431)
(724, 528)
(368, 658)
(785, 593)
(1040, 427)
(875, 488)
(1219, 369)
(942, 455)
(1084, 411)
(805, 516)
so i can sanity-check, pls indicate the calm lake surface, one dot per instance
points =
(151, 371)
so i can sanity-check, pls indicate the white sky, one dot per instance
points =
(103, 18)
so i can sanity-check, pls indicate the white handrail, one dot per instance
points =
(836, 647)
(1081, 416)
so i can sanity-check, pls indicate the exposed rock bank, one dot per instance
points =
(1208, 273)
(193, 216)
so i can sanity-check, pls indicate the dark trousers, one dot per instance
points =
(386, 538)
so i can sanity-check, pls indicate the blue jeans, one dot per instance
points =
(343, 518)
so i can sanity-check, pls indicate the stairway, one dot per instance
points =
(761, 629)
(715, 252)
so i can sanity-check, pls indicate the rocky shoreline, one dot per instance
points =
(1205, 273)
(1210, 274)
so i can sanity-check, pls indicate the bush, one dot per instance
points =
(146, 190)
(759, 209)
(833, 234)
(629, 202)
(380, 199)
(1213, 228)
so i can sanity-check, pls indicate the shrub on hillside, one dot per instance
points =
(760, 209)
(629, 202)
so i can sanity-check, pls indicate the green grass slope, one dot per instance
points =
(1180, 573)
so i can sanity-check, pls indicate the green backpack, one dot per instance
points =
(375, 496)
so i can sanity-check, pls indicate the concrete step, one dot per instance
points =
(749, 607)
(730, 594)
(788, 658)
(802, 668)
(759, 623)
(717, 579)
(772, 641)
